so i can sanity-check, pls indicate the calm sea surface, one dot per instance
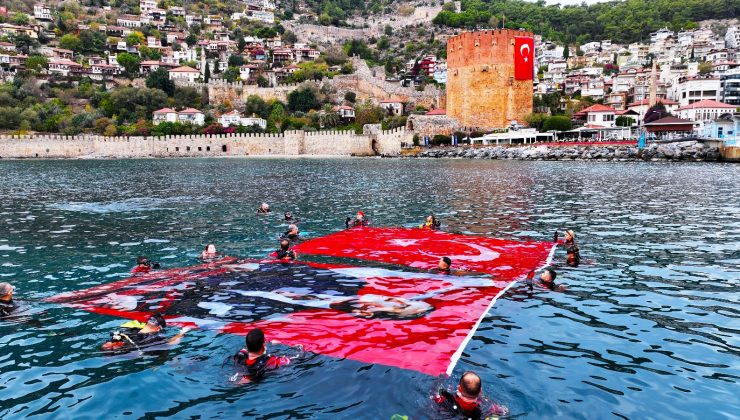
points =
(648, 328)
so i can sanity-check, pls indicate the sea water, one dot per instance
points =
(647, 328)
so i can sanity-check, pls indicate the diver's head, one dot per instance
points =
(288, 215)
(284, 244)
(6, 291)
(430, 219)
(255, 341)
(444, 263)
(470, 385)
(570, 236)
(210, 249)
(548, 275)
(156, 322)
(572, 259)
(265, 207)
(293, 229)
(360, 215)
(143, 260)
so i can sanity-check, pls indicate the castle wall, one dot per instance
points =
(290, 143)
(481, 89)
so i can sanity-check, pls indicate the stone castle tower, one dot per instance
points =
(481, 89)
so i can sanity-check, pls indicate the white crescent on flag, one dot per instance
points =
(525, 55)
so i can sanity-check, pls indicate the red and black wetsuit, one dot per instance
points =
(256, 368)
(456, 405)
(141, 269)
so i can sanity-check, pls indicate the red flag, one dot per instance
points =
(523, 57)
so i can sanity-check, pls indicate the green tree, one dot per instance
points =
(536, 120)
(236, 60)
(191, 39)
(71, 42)
(624, 121)
(92, 42)
(187, 97)
(207, 73)
(276, 117)
(557, 123)
(705, 67)
(160, 79)
(37, 63)
(129, 62)
(350, 97)
(20, 18)
(24, 43)
(303, 100)
(255, 105)
(231, 74)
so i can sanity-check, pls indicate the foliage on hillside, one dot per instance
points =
(620, 21)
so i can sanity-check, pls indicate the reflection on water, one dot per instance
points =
(647, 328)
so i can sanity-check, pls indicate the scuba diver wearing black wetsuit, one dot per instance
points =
(255, 356)
(7, 306)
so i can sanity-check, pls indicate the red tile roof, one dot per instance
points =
(164, 111)
(184, 69)
(707, 103)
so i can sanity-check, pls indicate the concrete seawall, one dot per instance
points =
(289, 143)
(687, 151)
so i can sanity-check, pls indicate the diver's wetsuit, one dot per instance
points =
(282, 254)
(293, 237)
(256, 368)
(6, 308)
(455, 405)
(138, 339)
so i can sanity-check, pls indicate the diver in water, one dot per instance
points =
(466, 401)
(264, 209)
(547, 280)
(255, 356)
(359, 221)
(209, 252)
(7, 306)
(444, 266)
(143, 265)
(284, 253)
(431, 223)
(292, 234)
(574, 253)
(134, 335)
(288, 216)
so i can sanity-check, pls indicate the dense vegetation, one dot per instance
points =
(621, 21)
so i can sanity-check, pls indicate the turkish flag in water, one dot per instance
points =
(523, 57)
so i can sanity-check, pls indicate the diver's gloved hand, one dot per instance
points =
(555, 236)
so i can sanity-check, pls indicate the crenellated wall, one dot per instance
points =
(290, 143)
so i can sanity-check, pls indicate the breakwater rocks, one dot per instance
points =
(684, 151)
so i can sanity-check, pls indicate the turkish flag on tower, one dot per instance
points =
(523, 57)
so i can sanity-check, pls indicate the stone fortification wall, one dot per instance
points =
(366, 83)
(481, 89)
(332, 35)
(238, 92)
(369, 84)
(331, 143)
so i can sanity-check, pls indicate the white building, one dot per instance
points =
(345, 112)
(732, 37)
(164, 115)
(235, 118)
(705, 110)
(42, 12)
(147, 5)
(64, 67)
(128, 21)
(598, 116)
(188, 115)
(184, 73)
(688, 90)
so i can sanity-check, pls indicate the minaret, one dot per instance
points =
(653, 87)
(203, 63)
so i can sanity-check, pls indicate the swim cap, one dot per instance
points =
(6, 288)
(142, 260)
(361, 213)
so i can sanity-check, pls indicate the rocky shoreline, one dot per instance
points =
(684, 151)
